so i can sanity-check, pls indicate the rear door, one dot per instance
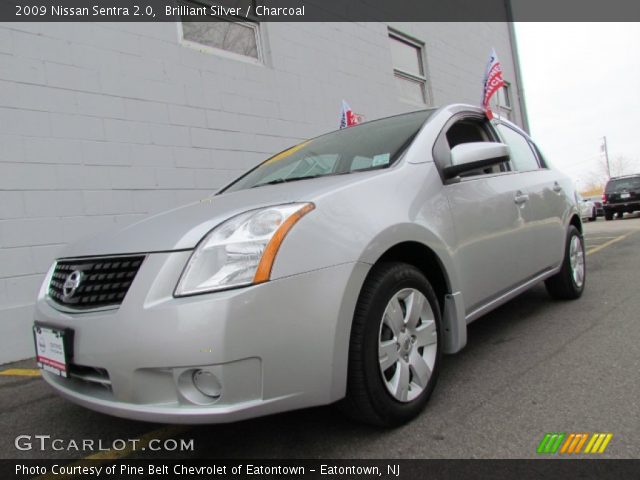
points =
(544, 207)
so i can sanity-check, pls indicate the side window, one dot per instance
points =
(522, 157)
(467, 131)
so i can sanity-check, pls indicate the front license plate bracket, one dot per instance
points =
(54, 348)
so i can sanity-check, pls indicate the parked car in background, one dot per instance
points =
(338, 270)
(587, 209)
(597, 201)
(622, 194)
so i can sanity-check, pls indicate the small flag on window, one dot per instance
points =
(493, 81)
(347, 117)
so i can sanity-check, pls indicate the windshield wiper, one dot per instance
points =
(286, 180)
(294, 179)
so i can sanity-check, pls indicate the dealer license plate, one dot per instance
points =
(52, 349)
(625, 195)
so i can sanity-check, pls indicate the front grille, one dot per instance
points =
(93, 282)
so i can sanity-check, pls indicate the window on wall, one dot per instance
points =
(504, 95)
(408, 68)
(238, 36)
(504, 101)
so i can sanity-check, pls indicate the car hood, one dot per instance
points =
(182, 228)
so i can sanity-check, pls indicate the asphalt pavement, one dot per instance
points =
(532, 366)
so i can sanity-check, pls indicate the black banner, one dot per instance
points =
(318, 10)
(323, 469)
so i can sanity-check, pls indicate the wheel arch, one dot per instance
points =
(404, 243)
(576, 222)
(424, 259)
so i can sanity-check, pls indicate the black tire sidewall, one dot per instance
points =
(574, 232)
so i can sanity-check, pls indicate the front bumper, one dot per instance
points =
(273, 347)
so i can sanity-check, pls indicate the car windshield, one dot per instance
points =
(631, 183)
(370, 146)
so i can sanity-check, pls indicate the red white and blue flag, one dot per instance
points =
(493, 81)
(347, 117)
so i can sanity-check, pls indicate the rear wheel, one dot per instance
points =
(594, 215)
(608, 215)
(569, 282)
(395, 348)
(620, 214)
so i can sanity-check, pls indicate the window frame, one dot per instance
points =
(403, 74)
(251, 22)
(441, 151)
(528, 141)
(505, 90)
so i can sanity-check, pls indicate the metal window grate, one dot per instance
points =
(94, 282)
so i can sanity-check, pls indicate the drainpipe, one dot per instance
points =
(516, 62)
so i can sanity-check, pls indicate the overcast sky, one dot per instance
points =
(581, 82)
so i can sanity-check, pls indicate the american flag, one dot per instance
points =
(347, 117)
(493, 81)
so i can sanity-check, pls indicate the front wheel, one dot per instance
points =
(395, 347)
(569, 282)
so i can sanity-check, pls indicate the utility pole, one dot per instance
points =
(605, 150)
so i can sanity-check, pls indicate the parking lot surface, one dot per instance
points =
(533, 366)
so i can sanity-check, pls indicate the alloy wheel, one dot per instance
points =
(407, 344)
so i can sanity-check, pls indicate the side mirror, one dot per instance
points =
(476, 155)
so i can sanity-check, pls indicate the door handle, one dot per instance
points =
(521, 197)
(556, 187)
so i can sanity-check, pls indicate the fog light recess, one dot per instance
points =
(198, 386)
(207, 383)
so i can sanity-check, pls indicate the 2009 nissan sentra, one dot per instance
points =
(338, 270)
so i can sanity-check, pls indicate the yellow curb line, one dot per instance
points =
(609, 243)
(21, 372)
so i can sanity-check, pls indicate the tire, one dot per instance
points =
(608, 215)
(620, 214)
(375, 376)
(568, 283)
(594, 216)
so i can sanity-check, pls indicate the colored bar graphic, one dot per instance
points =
(574, 442)
(590, 444)
(581, 442)
(568, 443)
(605, 442)
(598, 443)
(550, 442)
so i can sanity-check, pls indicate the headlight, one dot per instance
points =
(241, 250)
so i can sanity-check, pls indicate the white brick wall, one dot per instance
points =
(101, 124)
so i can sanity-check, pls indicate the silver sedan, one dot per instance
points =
(339, 270)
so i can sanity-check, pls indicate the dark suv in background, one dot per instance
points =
(622, 194)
